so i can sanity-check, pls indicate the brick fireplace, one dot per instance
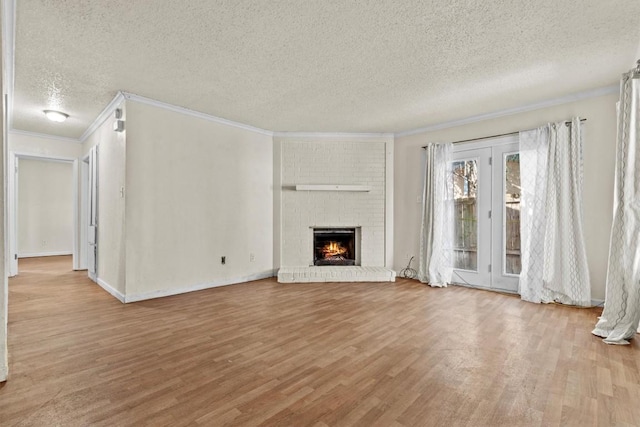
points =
(333, 191)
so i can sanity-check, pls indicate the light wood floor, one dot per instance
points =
(262, 353)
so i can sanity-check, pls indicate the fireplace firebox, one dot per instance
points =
(335, 246)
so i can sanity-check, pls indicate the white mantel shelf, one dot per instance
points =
(332, 187)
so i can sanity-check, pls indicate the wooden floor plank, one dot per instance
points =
(316, 354)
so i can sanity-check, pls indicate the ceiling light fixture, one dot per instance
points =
(55, 116)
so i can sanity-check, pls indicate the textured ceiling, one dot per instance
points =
(323, 66)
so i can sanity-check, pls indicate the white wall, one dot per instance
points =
(42, 146)
(196, 191)
(45, 208)
(111, 202)
(322, 160)
(599, 163)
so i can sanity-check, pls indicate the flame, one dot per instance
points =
(332, 249)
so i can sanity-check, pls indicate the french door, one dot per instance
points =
(486, 184)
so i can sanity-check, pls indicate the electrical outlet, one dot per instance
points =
(223, 260)
(252, 257)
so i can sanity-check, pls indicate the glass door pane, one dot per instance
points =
(512, 264)
(506, 217)
(465, 185)
(472, 224)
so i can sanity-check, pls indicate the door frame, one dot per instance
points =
(83, 224)
(90, 209)
(479, 144)
(12, 198)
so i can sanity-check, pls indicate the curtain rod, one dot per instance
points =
(496, 136)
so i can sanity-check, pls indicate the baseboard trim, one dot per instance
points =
(4, 373)
(113, 291)
(42, 254)
(199, 287)
(594, 302)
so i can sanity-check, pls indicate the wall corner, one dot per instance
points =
(389, 203)
(277, 202)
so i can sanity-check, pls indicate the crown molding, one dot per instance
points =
(9, 53)
(182, 110)
(43, 135)
(593, 93)
(335, 135)
(121, 96)
(104, 114)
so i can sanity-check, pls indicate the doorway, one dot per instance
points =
(42, 214)
(486, 181)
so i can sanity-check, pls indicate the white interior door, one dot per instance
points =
(92, 231)
(486, 180)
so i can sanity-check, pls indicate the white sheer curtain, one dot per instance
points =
(621, 314)
(436, 234)
(554, 260)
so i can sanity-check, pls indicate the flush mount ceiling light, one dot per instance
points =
(55, 116)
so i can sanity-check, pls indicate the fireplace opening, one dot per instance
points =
(334, 246)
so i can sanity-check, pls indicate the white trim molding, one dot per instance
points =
(120, 96)
(43, 254)
(43, 135)
(104, 115)
(110, 289)
(607, 90)
(199, 287)
(182, 110)
(3, 372)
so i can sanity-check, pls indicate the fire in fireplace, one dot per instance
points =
(334, 246)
